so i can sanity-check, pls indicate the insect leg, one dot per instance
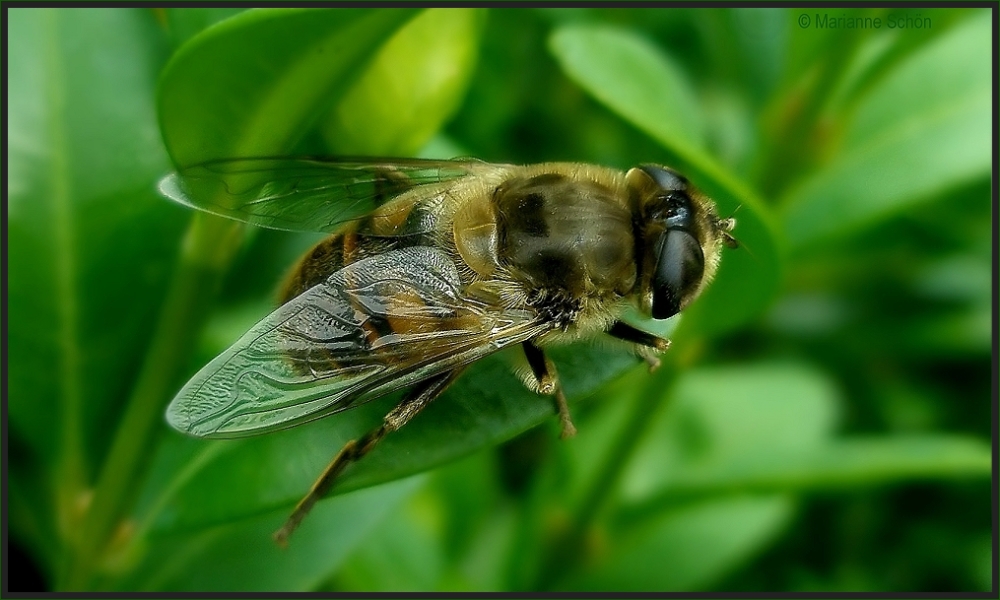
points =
(649, 345)
(624, 331)
(540, 368)
(548, 384)
(419, 397)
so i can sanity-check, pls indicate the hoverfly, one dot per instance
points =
(432, 265)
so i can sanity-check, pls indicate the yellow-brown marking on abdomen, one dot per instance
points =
(326, 258)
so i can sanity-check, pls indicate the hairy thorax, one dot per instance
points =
(567, 243)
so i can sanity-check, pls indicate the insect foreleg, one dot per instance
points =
(548, 383)
(419, 397)
(649, 345)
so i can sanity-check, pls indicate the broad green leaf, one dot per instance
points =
(923, 130)
(854, 461)
(721, 414)
(428, 69)
(882, 50)
(807, 47)
(848, 463)
(241, 556)
(220, 481)
(625, 71)
(636, 81)
(762, 430)
(786, 406)
(91, 243)
(690, 548)
(258, 83)
(184, 23)
(768, 429)
(951, 67)
(79, 104)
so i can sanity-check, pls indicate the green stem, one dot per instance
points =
(566, 551)
(72, 473)
(207, 250)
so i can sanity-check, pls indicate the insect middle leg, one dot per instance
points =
(548, 384)
(414, 401)
(649, 345)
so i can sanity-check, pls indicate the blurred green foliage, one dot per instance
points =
(822, 422)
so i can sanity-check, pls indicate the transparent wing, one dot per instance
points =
(376, 326)
(308, 194)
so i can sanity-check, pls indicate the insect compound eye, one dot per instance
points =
(680, 264)
(667, 179)
(671, 204)
(674, 211)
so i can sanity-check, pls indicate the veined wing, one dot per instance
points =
(376, 326)
(308, 194)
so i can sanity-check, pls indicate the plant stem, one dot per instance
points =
(206, 252)
(568, 548)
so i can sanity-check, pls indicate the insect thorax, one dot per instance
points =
(565, 237)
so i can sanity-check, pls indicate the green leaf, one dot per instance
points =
(91, 247)
(91, 243)
(720, 414)
(628, 73)
(184, 23)
(738, 435)
(923, 130)
(690, 548)
(787, 406)
(430, 70)
(258, 83)
(637, 82)
(767, 429)
(241, 556)
(951, 67)
(849, 463)
(220, 481)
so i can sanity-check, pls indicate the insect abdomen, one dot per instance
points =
(395, 225)
(326, 258)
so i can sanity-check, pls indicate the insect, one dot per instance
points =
(432, 265)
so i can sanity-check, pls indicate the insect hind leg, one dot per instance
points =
(418, 398)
